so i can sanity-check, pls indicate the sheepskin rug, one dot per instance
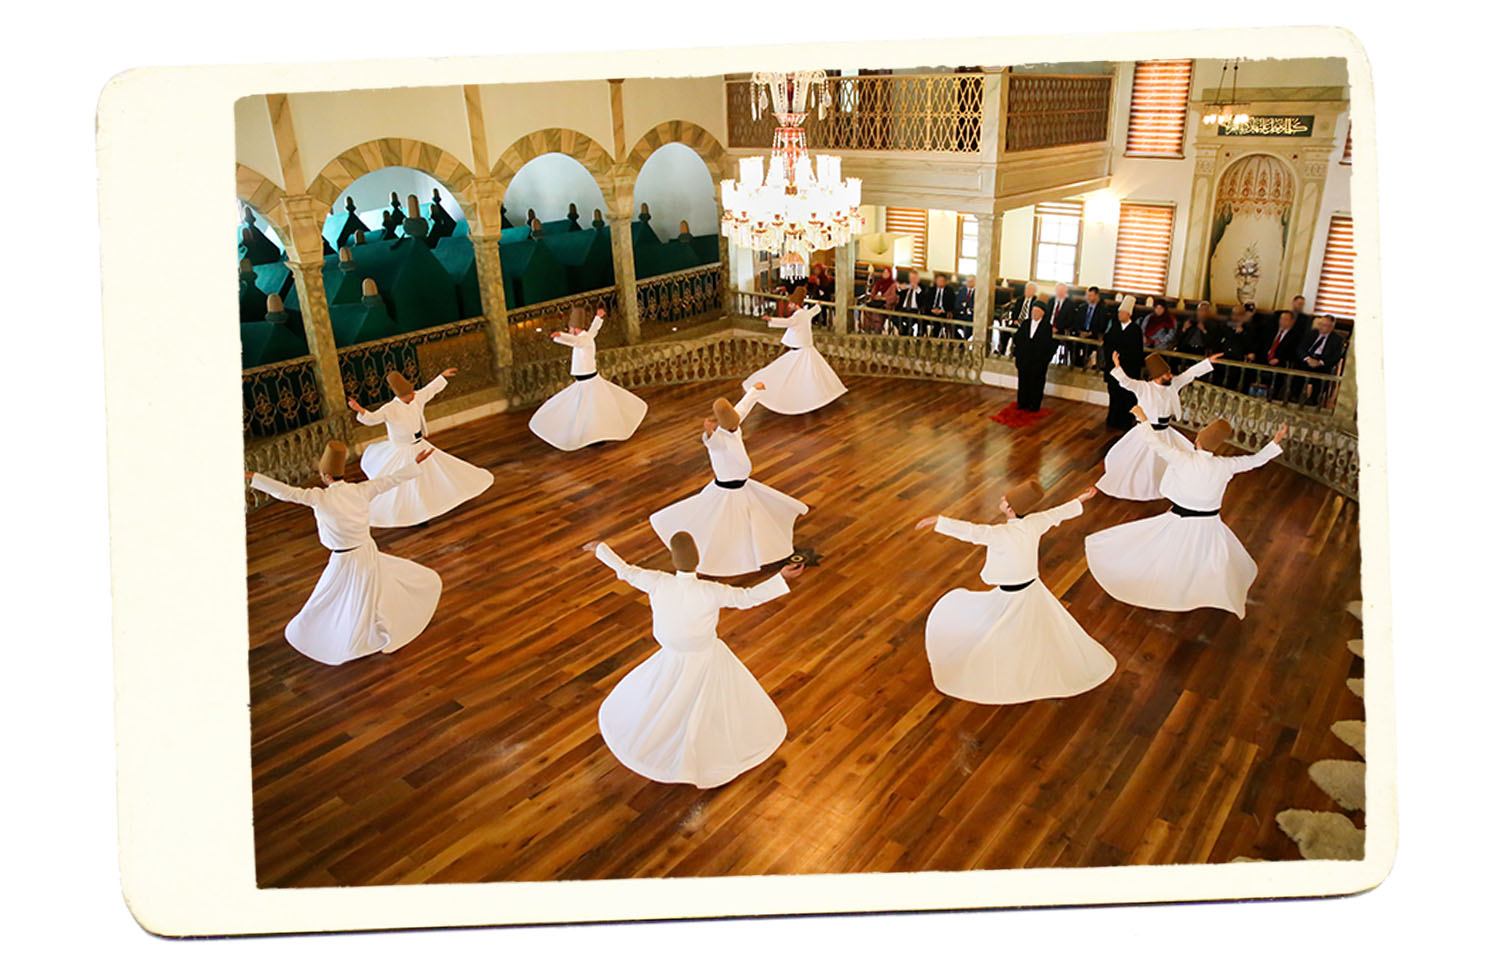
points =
(1352, 734)
(1357, 685)
(1323, 836)
(1342, 779)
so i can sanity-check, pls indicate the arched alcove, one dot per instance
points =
(547, 184)
(1248, 237)
(372, 199)
(678, 185)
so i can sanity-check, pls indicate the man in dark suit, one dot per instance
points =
(1124, 338)
(1060, 313)
(938, 301)
(1033, 347)
(1320, 353)
(910, 299)
(1237, 342)
(963, 309)
(1092, 320)
(1300, 315)
(1020, 313)
(1280, 350)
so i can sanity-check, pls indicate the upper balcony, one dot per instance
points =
(977, 141)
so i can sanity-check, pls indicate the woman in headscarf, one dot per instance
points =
(1159, 327)
(879, 287)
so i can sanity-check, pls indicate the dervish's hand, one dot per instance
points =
(450, 372)
(1280, 434)
(926, 522)
(356, 406)
(792, 570)
(1116, 357)
(1087, 494)
(424, 455)
(249, 476)
(590, 546)
(1214, 358)
(1139, 413)
(760, 386)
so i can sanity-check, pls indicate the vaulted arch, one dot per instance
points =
(262, 195)
(576, 145)
(342, 171)
(699, 139)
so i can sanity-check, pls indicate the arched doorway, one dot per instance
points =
(1248, 238)
(372, 195)
(548, 185)
(678, 187)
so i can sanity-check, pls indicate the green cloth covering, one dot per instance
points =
(557, 227)
(252, 299)
(417, 291)
(262, 342)
(642, 235)
(664, 258)
(352, 222)
(585, 257)
(532, 274)
(355, 323)
(275, 278)
(706, 248)
(456, 254)
(258, 248)
(514, 234)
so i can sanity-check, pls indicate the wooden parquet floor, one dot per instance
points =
(473, 754)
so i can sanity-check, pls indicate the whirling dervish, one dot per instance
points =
(1184, 558)
(1014, 642)
(366, 601)
(1131, 470)
(445, 481)
(591, 409)
(799, 380)
(738, 524)
(691, 712)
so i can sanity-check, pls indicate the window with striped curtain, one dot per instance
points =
(1055, 243)
(967, 245)
(1336, 278)
(913, 223)
(1143, 247)
(1158, 109)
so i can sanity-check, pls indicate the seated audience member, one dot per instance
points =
(1236, 341)
(1195, 336)
(938, 302)
(910, 299)
(1320, 353)
(880, 285)
(820, 283)
(1280, 351)
(963, 309)
(1060, 315)
(1159, 327)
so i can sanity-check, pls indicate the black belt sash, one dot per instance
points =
(585, 377)
(417, 437)
(349, 550)
(1013, 587)
(732, 484)
(1160, 426)
(1189, 513)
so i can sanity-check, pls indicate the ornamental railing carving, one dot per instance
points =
(887, 112)
(280, 397)
(1052, 110)
(672, 301)
(531, 326)
(293, 457)
(419, 355)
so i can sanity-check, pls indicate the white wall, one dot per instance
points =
(547, 184)
(1016, 229)
(647, 102)
(512, 111)
(676, 184)
(254, 144)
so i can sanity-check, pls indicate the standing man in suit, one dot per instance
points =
(1320, 353)
(1092, 319)
(1034, 347)
(1125, 339)
(1061, 314)
(1020, 313)
(939, 304)
(1300, 315)
(963, 309)
(910, 297)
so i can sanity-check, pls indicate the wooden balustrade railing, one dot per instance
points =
(532, 325)
(672, 301)
(280, 397)
(1052, 110)
(419, 355)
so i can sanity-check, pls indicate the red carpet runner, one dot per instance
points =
(1014, 417)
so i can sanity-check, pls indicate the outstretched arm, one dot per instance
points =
(597, 323)
(1045, 519)
(1125, 381)
(366, 417)
(1196, 371)
(572, 340)
(1244, 463)
(280, 490)
(960, 530)
(643, 580)
(743, 598)
(748, 401)
(430, 390)
(384, 483)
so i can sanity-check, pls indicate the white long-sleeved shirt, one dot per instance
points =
(405, 421)
(583, 347)
(1161, 401)
(341, 509)
(1010, 547)
(685, 609)
(798, 327)
(1196, 479)
(726, 449)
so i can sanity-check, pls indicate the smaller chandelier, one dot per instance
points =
(1221, 112)
(790, 204)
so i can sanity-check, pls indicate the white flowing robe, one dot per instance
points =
(1131, 470)
(800, 380)
(589, 411)
(737, 529)
(691, 712)
(1172, 562)
(444, 483)
(365, 601)
(1001, 647)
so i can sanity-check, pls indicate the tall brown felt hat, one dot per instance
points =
(684, 552)
(1214, 434)
(331, 463)
(1024, 497)
(575, 318)
(1157, 367)
(725, 415)
(400, 387)
(799, 295)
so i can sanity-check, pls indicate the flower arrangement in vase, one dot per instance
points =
(1247, 275)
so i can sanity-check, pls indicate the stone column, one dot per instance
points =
(492, 299)
(984, 282)
(726, 273)
(624, 253)
(843, 286)
(318, 327)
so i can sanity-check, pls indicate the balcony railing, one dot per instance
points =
(1052, 110)
(280, 397)
(673, 301)
(419, 355)
(886, 112)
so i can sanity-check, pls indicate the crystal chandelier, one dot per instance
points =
(1222, 112)
(790, 206)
